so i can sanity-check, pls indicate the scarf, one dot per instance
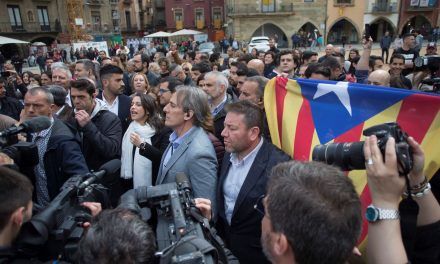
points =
(138, 167)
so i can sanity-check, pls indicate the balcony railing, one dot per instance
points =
(260, 9)
(159, 3)
(28, 27)
(383, 8)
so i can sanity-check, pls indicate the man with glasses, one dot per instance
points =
(167, 86)
(243, 178)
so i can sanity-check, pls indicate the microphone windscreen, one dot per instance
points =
(111, 167)
(37, 124)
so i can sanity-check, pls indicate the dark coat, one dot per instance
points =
(11, 107)
(242, 237)
(101, 139)
(154, 152)
(123, 110)
(63, 158)
(219, 118)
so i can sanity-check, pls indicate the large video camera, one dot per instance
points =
(187, 236)
(24, 154)
(54, 233)
(350, 155)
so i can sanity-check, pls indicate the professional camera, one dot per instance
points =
(185, 236)
(431, 62)
(350, 155)
(54, 233)
(24, 154)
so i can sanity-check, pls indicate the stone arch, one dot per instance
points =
(379, 26)
(269, 29)
(343, 28)
(419, 22)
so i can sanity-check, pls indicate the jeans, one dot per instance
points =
(386, 50)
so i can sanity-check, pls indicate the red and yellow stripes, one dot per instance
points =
(292, 128)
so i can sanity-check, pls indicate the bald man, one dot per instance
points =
(379, 78)
(329, 49)
(257, 65)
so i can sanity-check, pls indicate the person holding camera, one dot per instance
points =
(8, 105)
(387, 187)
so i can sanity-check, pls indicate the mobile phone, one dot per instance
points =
(367, 32)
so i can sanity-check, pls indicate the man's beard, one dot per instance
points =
(266, 243)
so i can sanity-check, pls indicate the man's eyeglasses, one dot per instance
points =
(162, 91)
(259, 206)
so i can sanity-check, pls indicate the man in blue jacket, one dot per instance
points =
(59, 152)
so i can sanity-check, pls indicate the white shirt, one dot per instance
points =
(237, 174)
(112, 107)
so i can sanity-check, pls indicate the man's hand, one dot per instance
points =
(386, 186)
(5, 159)
(82, 117)
(95, 208)
(367, 44)
(135, 139)
(204, 206)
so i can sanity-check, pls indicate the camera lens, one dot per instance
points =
(347, 156)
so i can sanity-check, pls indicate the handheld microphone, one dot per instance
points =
(35, 124)
(109, 167)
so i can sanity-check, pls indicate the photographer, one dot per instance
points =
(8, 105)
(15, 209)
(387, 187)
(117, 236)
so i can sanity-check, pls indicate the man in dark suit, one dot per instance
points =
(112, 94)
(243, 177)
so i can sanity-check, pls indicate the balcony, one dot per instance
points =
(417, 8)
(159, 3)
(383, 8)
(94, 2)
(28, 27)
(259, 10)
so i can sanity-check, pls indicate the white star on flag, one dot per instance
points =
(340, 89)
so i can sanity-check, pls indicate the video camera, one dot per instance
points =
(350, 155)
(187, 236)
(23, 153)
(54, 233)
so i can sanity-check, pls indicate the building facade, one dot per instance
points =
(382, 15)
(274, 18)
(422, 15)
(32, 21)
(200, 15)
(345, 21)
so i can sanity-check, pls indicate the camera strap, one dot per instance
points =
(408, 209)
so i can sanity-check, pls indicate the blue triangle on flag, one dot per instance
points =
(332, 118)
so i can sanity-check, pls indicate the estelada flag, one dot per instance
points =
(303, 113)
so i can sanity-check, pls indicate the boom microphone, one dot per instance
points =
(109, 167)
(35, 124)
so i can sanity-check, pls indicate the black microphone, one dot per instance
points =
(183, 183)
(109, 167)
(35, 124)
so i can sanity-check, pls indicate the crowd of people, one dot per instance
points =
(163, 114)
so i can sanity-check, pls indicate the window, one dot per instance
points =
(15, 17)
(43, 18)
(342, 2)
(267, 6)
(96, 20)
(200, 18)
(217, 17)
(178, 18)
(128, 19)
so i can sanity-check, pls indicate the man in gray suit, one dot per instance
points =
(190, 151)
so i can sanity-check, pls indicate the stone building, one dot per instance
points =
(274, 18)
